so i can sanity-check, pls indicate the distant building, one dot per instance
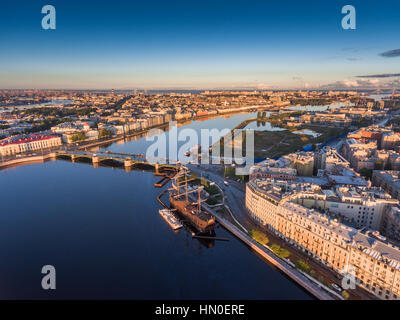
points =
(328, 158)
(360, 206)
(391, 223)
(303, 162)
(388, 180)
(390, 141)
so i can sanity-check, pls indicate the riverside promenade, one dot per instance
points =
(312, 287)
(28, 159)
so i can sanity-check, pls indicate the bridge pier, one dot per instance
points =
(95, 161)
(53, 156)
(128, 165)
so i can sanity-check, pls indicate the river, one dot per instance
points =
(35, 105)
(100, 229)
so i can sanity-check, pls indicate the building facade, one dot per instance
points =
(26, 143)
(375, 261)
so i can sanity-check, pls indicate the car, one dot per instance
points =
(226, 183)
(336, 287)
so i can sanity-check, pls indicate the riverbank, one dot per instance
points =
(28, 160)
(306, 283)
(227, 219)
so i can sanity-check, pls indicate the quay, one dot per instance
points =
(167, 215)
(315, 289)
(28, 159)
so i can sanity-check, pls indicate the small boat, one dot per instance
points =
(168, 216)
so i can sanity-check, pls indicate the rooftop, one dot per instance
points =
(25, 138)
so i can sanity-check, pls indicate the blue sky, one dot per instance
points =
(197, 44)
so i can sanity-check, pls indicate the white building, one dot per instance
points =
(25, 143)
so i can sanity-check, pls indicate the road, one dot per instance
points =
(234, 194)
(235, 199)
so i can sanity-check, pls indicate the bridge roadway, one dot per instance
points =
(125, 159)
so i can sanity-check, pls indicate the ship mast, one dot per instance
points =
(186, 189)
(199, 207)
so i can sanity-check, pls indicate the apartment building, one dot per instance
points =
(390, 226)
(361, 207)
(388, 180)
(375, 261)
(303, 162)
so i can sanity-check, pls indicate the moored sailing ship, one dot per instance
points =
(192, 212)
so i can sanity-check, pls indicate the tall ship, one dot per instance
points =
(192, 212)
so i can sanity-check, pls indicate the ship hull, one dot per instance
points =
(201, 225)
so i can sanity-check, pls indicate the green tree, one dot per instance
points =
(279, 251)
(204, 182)
(80, 136)
(302, 265)
(259, 236)
(104, 133)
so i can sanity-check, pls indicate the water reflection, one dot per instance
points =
(138, 144)
(101, 229)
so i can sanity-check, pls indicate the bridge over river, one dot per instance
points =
(126, 160)
(129, 161)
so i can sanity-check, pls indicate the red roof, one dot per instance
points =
(25, 139)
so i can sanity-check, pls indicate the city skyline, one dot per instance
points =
(182, 45)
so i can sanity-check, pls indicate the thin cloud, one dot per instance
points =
(391, 53)
(382, 75)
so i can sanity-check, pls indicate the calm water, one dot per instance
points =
(220, 123)
(101, 230)
(39, 105)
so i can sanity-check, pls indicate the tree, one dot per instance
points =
(104, 133)
(345, 294)
(80, 136)
(279, 251)
(302, 265)
(204, 182)
(259, 236)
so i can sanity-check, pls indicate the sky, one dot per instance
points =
(285, 44)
